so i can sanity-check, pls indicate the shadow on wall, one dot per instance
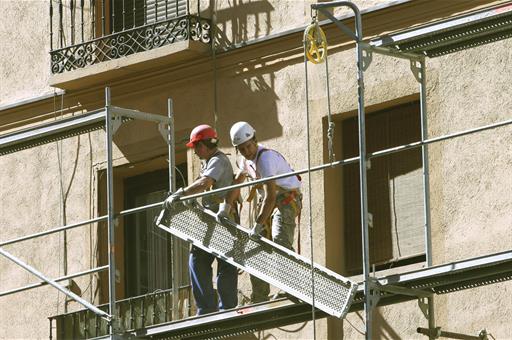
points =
(244, 87)
(252, 99)
(233, 22)
(382, 328)
(246, 91)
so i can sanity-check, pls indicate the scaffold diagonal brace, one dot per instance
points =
(262, 258)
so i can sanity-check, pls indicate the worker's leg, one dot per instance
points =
(260, 288)
(227, 280)
(200, 265)
(283, 225)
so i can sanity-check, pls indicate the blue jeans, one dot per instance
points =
(201, 274)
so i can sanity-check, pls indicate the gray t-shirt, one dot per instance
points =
(217, 167)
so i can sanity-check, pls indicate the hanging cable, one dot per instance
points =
(316, 52)
(310, 52)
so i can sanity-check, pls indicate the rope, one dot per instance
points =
(309, 194)
(330, 123)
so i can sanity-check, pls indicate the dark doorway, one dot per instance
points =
(148, 249)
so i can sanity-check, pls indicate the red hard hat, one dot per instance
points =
(202, 132)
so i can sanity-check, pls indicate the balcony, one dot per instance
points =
(101, 40)
(135, 313)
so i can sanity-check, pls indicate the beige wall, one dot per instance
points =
(25, 60)
(470, 184)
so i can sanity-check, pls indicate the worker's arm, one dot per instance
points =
(269, 202)
(199, 185)
(233, 194)
(229, 199)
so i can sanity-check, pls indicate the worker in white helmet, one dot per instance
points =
(216, 172)
(279, 201)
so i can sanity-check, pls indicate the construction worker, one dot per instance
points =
(279, 200)
(216, 172)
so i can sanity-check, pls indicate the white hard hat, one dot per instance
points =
(241, 132)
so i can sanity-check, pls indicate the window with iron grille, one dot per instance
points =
(148, 249)
(84, 33)
(135, 13)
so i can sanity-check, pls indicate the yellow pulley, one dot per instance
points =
(316, 43)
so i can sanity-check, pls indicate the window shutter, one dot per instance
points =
(157, 9)
(395, 188)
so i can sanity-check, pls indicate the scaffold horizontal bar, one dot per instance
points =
(393, 53)
(263, 180)
(449, 268)
(437, 333)
(403, 290)
(62, 278)
(54, 284)
(437, 139)
(55, 230)
(139, 115)
(338, 23)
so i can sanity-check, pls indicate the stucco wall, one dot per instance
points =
(471, 178)
(32, 202)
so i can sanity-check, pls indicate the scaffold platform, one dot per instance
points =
(442, 279)
(270, 262)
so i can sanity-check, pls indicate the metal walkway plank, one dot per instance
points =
(454, 34)
(51, 131)
(278, 313)
(262, 258)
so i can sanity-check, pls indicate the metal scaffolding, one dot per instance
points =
(110, 118)
(422, 284)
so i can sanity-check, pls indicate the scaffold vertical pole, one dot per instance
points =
(363, 158)
(172, 187)
(426, 185)
(368, 305)
(110, 213)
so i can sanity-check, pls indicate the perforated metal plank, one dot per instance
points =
(52, 131)
(262, 258)
(454, 34)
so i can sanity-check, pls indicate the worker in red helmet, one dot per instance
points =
(216, 172)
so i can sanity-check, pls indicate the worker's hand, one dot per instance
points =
(256, 231)
(190, 203)
(224, 209)
(173, 198)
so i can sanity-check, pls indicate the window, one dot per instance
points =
(148, 250)
(134, 13)
(395, 192)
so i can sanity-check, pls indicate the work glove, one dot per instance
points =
(224, 209)
(191, 203)
(173, 198)
(256, 231)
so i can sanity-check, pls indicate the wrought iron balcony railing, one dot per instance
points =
(134, 313)
(118, 28)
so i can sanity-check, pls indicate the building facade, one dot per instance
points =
(226, 61)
